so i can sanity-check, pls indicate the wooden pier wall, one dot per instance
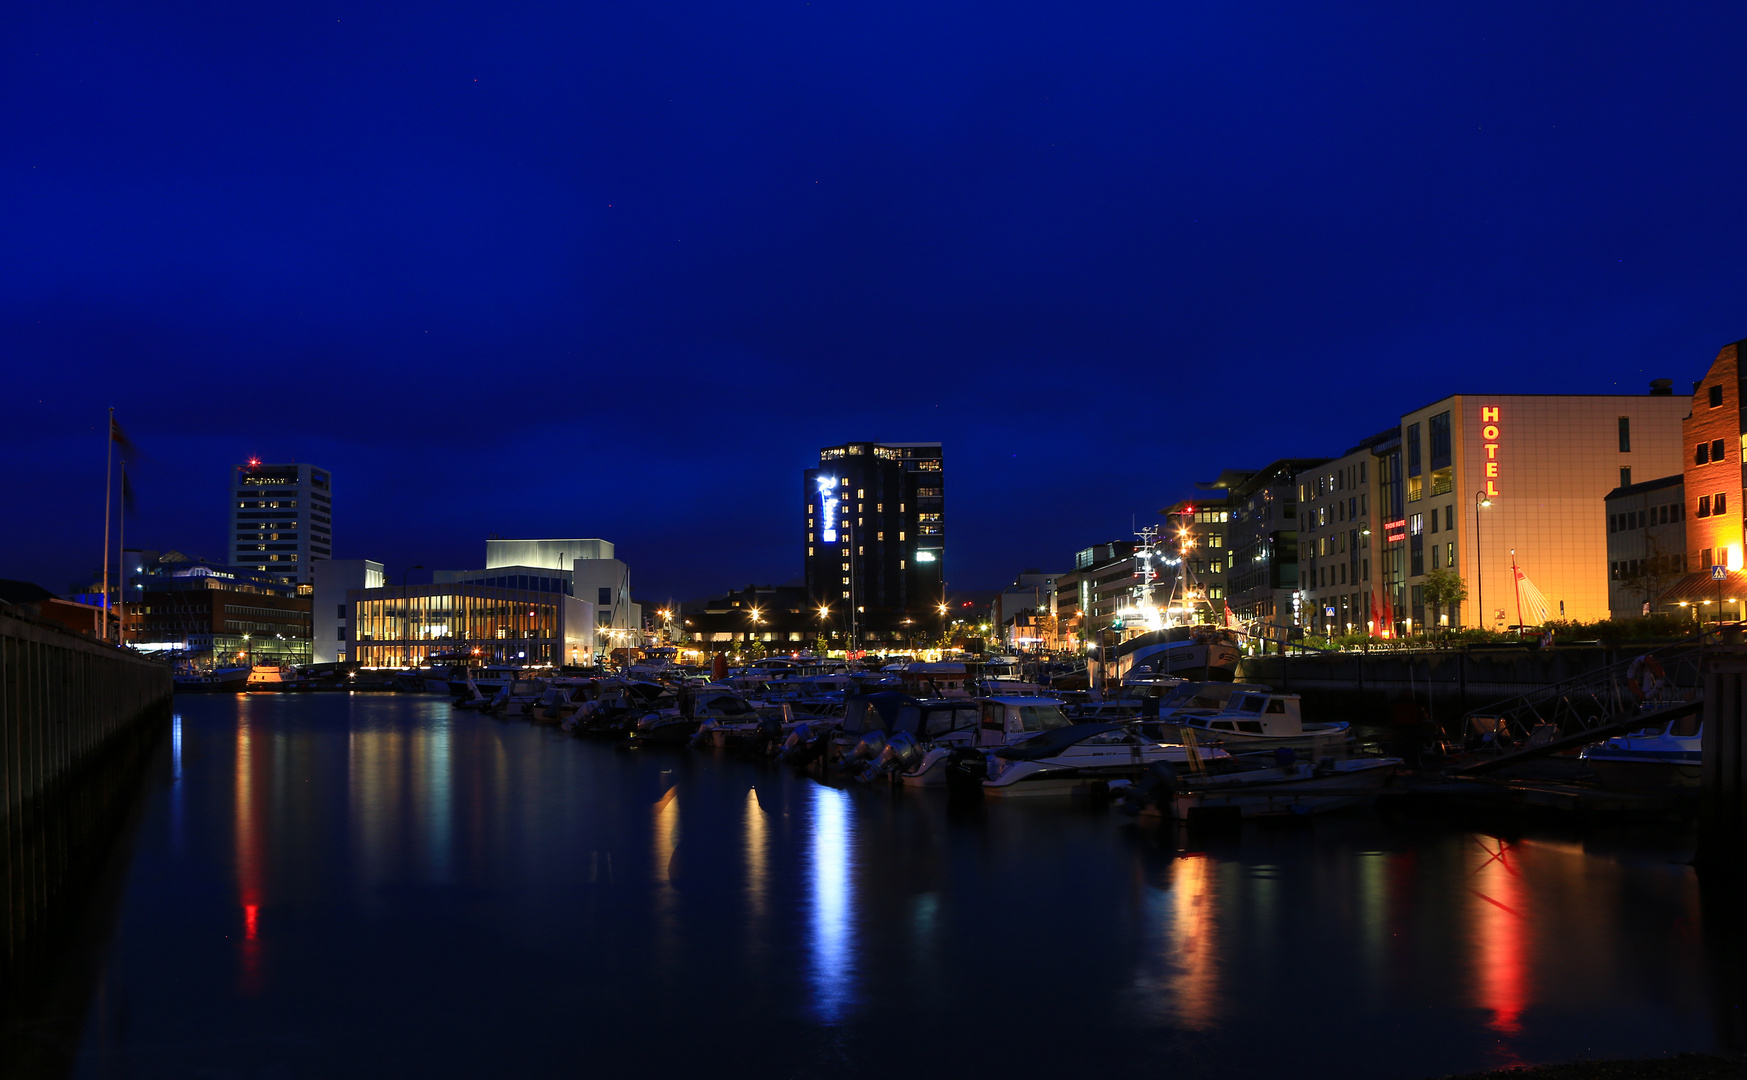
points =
(1723, 797)
(80, 723)
(63, 697)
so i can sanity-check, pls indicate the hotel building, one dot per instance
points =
(1508, 490)
(281, 519)
(876, 533)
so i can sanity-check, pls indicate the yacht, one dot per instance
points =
(1066, 759)
(1205, 652)
(1255, 721)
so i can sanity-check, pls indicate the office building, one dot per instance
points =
(1262, 572)
(1340, 514)
(281, 519)
(1646, 545)
(876, 533)
(1191, 585)
(219, 614)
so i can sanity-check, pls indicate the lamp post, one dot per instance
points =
(1480, 501)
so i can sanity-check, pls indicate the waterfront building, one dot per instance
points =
(1023, 613)
(1262, 572)
(1198, 531)
(332, 622)
(594, 572)
(281, 519)
(222, 615)
(1517, 484)
(1341, 507)
(520, 615)
(31, 600)
(875, 529)
(1102, 586)
(782, 617)
(1713, 436)
(1646, 545)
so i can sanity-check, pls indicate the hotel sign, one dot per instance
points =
(1489, 427)
(828, 503)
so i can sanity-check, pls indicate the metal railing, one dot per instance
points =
(1653, 681)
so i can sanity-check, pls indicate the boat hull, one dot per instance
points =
(1349, 789)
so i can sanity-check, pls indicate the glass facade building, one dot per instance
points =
(528, 621)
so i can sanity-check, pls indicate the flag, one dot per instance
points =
(1231, 620)
(119, 438)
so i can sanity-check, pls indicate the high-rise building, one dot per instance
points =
(876, 533)
(281, 519)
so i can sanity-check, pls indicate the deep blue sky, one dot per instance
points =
(620, 270)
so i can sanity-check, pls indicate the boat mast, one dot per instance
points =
(108, 490)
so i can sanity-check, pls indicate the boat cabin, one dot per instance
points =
(1205, 697)
(936, 680)
(1268, 714)
(936, 718)
(1004, 719)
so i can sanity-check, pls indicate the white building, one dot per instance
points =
(281, 519)
(332, 614)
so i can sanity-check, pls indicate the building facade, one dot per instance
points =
(1646, 545)
(1713, 437)
(1197, 531)
(331, 622)
(1340, 588)
(530, 619)
(1262, 573)
(281, 519)
(213, 614)
(875, 529)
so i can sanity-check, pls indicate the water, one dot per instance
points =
(371, 885)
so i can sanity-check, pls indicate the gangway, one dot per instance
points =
(1646, 690)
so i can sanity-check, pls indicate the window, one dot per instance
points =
(1434, 520)
(1413, 449)
(1613, 523)
(1701, 454)
(1718, 452)
(1613, 571)
(1719, 503)
(1626, 477)
(1440, 436)
(1705, 557)
(1716, 393)
(1704, 510)
(340, 633)
(1450, 555)
(1435, 556)
(1625, 434)
(1416, 524)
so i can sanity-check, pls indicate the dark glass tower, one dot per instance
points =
(876, 532)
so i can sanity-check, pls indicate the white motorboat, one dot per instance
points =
(1657, 758)
(1256, 721)
(1064, 760)
(1289, 789)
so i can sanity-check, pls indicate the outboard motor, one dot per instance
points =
(966, 769)
(797, 742)
(902, 751)
(581, 716)
(867, 749)
(497, 703)
(701, 737)
(767, 735)
(1158, 786)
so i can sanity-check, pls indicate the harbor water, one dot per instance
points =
(374, 885)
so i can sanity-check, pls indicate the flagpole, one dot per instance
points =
(1516, 578)
(108, 486)
(121, 565)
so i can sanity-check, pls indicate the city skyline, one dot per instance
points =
(1069, 252)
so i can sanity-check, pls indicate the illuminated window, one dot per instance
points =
(846, 594)
(879, 536)
(860, 493)
(900, 535)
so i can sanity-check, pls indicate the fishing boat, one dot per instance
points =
(216, 681)
(1064, 760)
(272, 679)
(1201, 652)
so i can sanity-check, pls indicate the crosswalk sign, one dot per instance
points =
(1718, 573)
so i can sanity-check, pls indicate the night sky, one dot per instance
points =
(620, 270)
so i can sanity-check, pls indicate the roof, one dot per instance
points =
(1700, 586)
(1658, 484)
(23, 592)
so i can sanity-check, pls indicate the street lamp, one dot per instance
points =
(1480, 501)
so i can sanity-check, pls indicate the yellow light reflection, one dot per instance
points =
(1194, 941)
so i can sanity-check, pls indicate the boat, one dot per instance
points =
(272, 679)
(1255, 720)
(922, 741)
(1234, 787)
(1064, 760)
(1661, 758)
(1205, 652)
(217, 681)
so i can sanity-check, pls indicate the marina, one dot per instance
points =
(477, 873)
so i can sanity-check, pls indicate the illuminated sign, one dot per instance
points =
(925, 556)
(1489, 439)
(1395, 530)
(828, 509)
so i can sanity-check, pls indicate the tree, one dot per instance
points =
(1440, 588)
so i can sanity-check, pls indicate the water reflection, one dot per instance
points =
(833, 904)
(755, 845)
(178, 825)
(1496, 921)
(248, 833)
(1194, 943)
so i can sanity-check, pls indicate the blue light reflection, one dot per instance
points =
(833, 915)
